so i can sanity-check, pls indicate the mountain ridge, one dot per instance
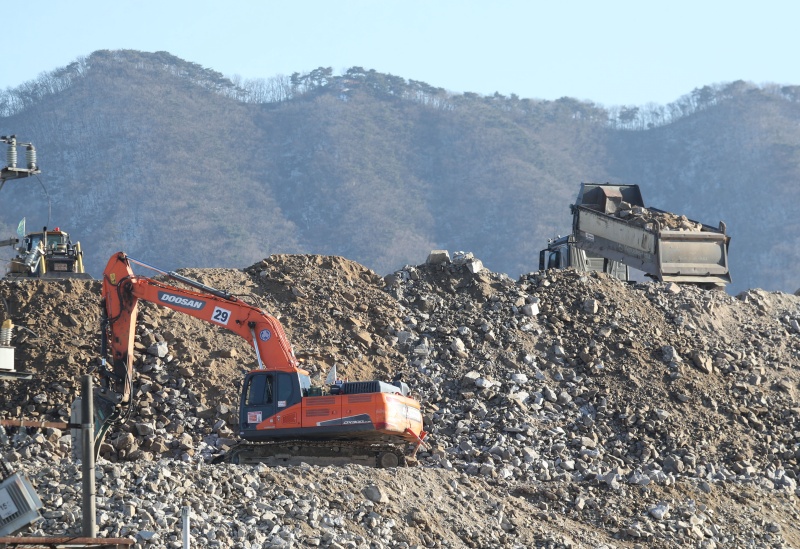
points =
(180, 166)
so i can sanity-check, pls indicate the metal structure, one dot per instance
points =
(7, 367)
(62, 542)
(12, 171)
(19, 503)
(606, 227)
(47, 254)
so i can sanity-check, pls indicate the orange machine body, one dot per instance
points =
(277, 400)
(276, 405)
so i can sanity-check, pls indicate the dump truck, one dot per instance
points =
(613, 230)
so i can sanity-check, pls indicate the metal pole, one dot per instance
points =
(186, 533)
(87, 458)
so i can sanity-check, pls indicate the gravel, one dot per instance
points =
(565, 410)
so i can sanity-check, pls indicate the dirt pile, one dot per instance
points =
(565, 409)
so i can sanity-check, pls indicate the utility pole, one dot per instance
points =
(87, 459)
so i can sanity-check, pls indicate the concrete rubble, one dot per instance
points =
(565, 410)
(655, 219)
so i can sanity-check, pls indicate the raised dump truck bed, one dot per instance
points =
(611, 221)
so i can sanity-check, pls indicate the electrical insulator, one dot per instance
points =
(30, 157)
(5, 332)
(5, 470)
(11, 153)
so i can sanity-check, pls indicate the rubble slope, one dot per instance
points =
(565, 410)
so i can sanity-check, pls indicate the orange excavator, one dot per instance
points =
(282, 418)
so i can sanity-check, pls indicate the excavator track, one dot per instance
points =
(320, 453)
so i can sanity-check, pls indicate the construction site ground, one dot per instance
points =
(565, 410)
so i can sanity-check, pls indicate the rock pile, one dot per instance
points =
(650, 218)
(565, 409)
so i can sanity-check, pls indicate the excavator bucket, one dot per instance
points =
(106, 414)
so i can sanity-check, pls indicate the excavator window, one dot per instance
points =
(259, 390)
(285, 391)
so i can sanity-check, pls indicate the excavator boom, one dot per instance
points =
(122, 291)
(281, 415)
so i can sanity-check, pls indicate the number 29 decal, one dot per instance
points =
(221, 316)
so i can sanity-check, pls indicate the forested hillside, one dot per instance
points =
(735, 158)
(182, 167)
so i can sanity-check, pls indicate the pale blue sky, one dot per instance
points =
(611, 52)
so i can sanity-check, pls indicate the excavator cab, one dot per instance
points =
(265, 394)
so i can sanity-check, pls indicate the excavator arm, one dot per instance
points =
(280, 418)
(121, 292)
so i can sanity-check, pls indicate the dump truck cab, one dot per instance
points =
(561, 253)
